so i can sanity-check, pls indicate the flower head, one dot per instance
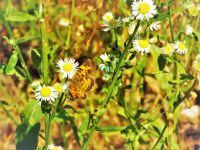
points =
(59, 87)
(142, 45)
(64, 22)
(193, 11)
(108, 17)
(180, 47)
(105, 57)
(168, 49)
(192, 112)
(108, 21)
(144, 9)
(53, 147)
(105, 65)
(45, 93)
(188, 30)
(155, 26)
(67, 67)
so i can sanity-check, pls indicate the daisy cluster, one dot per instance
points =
(179, 47)
(67, 68)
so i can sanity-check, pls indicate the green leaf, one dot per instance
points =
(36, 58)
(162, 16)
(161, 62)
(27, 137)
(85, 124)
(110, 129)
(10, 68)
(33, 112)
(2, 68)
(2, 103)
(20, 16)
(20, 73)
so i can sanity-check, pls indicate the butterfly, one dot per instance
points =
(81, 82)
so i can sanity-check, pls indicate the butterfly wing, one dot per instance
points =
(81, 82)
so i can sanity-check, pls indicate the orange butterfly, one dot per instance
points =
(81, 82)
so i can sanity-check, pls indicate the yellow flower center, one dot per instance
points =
(143, 43)
(65, 20)
(108, 18)
(45, 92)
(58, 87)
(55, 148)
(193, 11)
(144, 8)
(67, 67)
(181, 46)
(168, 49)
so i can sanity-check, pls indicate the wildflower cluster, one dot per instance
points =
(67, 68)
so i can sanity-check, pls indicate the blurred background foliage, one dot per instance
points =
(87, 40)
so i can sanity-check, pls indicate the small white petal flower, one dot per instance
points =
(46, 93)
(105, 57)
(142, 45)
(155, 26)
(108, 17)
(192, 112)
(53, 147)
(67, 67)
(180, 47)
(64, 22)
(104, 67)
(188, 30)
(168, 49)
(144, 9)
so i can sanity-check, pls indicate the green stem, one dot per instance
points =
(15, 46)
(161, 135)
(110, 89)
(10, 116)
(47, 129)
(176, 104)
(70, 26)
(45, 51)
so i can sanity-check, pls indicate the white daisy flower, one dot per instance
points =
(67, 67)
(64, 22)
(104, 67)
(105, 57)
(192, 112)
(155, 26)
(53, 147)
(142, 45)
(188, 30)
(143, 9)
(168, 49)
(108, 17)
(60, 88)
(180, 47)
(108, 20)
(46, 93)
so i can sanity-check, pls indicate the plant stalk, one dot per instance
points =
(15, 46)
(110, 89)
(70, 24)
